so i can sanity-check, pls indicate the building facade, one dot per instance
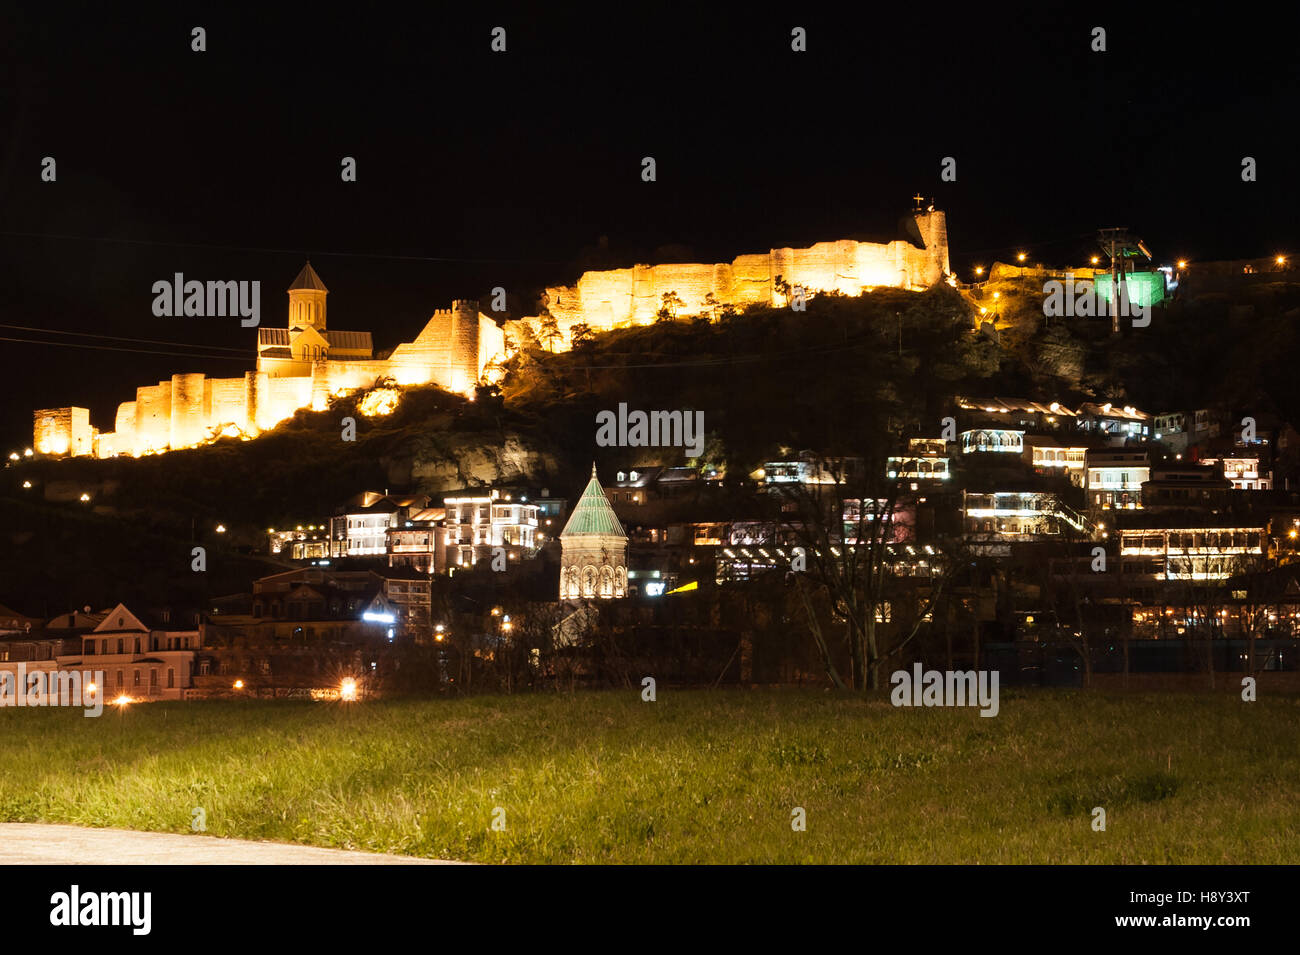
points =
(593, 549)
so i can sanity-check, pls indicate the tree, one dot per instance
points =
(581, 334)
(671, 303)
(852, 533)
(550, 332)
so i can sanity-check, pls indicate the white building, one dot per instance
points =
(1115, 478)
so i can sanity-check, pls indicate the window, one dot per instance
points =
(119, 679)
(136, 680)
(119, 645)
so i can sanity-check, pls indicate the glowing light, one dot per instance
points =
(91, 688)
(1281, 260)
(380, 401)
(85, 498)
(123, 700)
(348, 690)
(1020, 257)
(14, 456)
(221, 528)
(979, 270)
(1095, 260)
(239, 684)
(27, 484)
(27, 453)
(1182, 263)
(371, 616)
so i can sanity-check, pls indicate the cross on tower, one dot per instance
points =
(918, 199)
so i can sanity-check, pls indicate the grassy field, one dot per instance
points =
(695, 777)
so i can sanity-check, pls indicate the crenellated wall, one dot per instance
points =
(634, 296)
(300, 369)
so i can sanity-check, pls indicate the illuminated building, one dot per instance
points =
(1115, 478)
(593, 558)
(300, 366)
(1192, 549)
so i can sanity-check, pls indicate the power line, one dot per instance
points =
(120, 338)
(304, 252)
(140, 351)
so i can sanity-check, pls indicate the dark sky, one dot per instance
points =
(478, 169)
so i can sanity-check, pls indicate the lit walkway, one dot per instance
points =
(39, 844)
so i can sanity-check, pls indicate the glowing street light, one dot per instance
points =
(1020, 257)
(979, 270)
(123, 700)
(221, 528)
(27, 453)
(348, 690)
(1182, 263)
(91, 688)
(1095, 259)
(85, 498)
(1281, 260)
(239, 684)
(27, 484)
(14, 456)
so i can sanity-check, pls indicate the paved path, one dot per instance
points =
(38, 844)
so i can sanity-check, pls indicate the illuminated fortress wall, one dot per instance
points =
(452, 350)
(634, 296)
(303, 365)
(63, 431)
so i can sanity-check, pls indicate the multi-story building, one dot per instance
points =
(143, 656)
(304, 542)
(1191, 548)
(476, 524)
(418, 542)
(1119, 426)
(1001, 440)
(361, 526)
(810, 468)
(1003, 516)
(1049, 458)
(1115, 478)
(1185, 486)
(1243, 471)
(926, 460)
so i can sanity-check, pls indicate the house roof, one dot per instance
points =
(593, 516)
(308, 279)
(1012, 404)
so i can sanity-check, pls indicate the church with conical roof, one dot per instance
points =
(593, 548)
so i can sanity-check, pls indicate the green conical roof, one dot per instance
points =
(593, 516)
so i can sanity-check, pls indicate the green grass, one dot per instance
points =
(694, 777)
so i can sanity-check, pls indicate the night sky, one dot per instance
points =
(478, 169)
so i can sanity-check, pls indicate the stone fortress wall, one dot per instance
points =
(633, 296)
(298, 368)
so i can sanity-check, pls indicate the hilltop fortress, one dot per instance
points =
(306, 363)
